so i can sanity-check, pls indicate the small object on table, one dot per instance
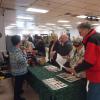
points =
(2, 77)
(41, 60)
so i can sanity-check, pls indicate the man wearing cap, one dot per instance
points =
(91, 63)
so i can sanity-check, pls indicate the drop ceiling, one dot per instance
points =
(58, 10)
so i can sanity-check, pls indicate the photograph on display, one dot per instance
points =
(72, 79)
(64, 75)
(68, 77)
(54, 84)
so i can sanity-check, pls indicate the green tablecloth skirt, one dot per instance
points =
(74, 91)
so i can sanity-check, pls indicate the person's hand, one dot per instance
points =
(80, 61)
(52, 54)
(71, 70)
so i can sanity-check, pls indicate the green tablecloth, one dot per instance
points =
(74, 91)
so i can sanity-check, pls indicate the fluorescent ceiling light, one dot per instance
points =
(42, 26)
(95, 24)
(63, 21)
(23, 17)
(98, 18)
(50, 24)
(37, 10)
(81, 16)
(66, 25)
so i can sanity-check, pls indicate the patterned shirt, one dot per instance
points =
(18, 62)
(76, 56)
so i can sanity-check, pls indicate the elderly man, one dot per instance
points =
(63, 47)
(91, 63)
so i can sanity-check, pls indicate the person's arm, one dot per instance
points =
(83, 66)
(90, 58)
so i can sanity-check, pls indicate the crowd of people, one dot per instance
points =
(82, 55)
(72, 51)
(81, 58)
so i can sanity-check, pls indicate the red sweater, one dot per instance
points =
(91, 61)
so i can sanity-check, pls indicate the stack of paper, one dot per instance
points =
(60, 60)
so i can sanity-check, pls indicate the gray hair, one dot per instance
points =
(85, 25)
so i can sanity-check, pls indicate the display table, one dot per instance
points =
(74, 91)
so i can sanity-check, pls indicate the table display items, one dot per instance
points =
(54, 83)
(64, 75)
(41, 60)
(69, 77)
(52, 68)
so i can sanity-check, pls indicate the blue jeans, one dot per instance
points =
(94, 91)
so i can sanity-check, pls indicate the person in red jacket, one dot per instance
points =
(91, 62)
